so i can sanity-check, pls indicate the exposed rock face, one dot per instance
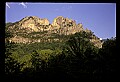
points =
(31, 24)
(35, 20)
(60, 25)
(35, 24)
(66, 26)
(19, 39)
(63, 22)
(96, 42)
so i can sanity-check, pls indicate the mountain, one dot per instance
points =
(33, 29)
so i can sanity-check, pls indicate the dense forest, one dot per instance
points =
(76, 58)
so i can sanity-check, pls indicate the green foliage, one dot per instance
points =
(8, 34)
(12, 66)
(26, 60)
(36, 61)
(108, 56)
(8, 24)
(109, 45)
(45, 54)
(79, 44)
(75, 58)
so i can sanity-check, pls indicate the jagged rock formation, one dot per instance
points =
(33, 27)
(30, 24)
(66, 26)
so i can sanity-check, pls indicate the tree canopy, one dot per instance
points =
(76, 58)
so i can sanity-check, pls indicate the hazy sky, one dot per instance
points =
(98, 17)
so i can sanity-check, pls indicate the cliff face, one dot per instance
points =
(66, 26)
(33, 26)
(30, 24)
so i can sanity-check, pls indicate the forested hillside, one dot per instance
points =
(50, 55)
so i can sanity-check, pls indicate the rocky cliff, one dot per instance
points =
(38, 28)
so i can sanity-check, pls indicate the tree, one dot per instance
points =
(108, 56)
(79, 43)
(12, 68)
(8, 34)
(83, 55)
(36, 62)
